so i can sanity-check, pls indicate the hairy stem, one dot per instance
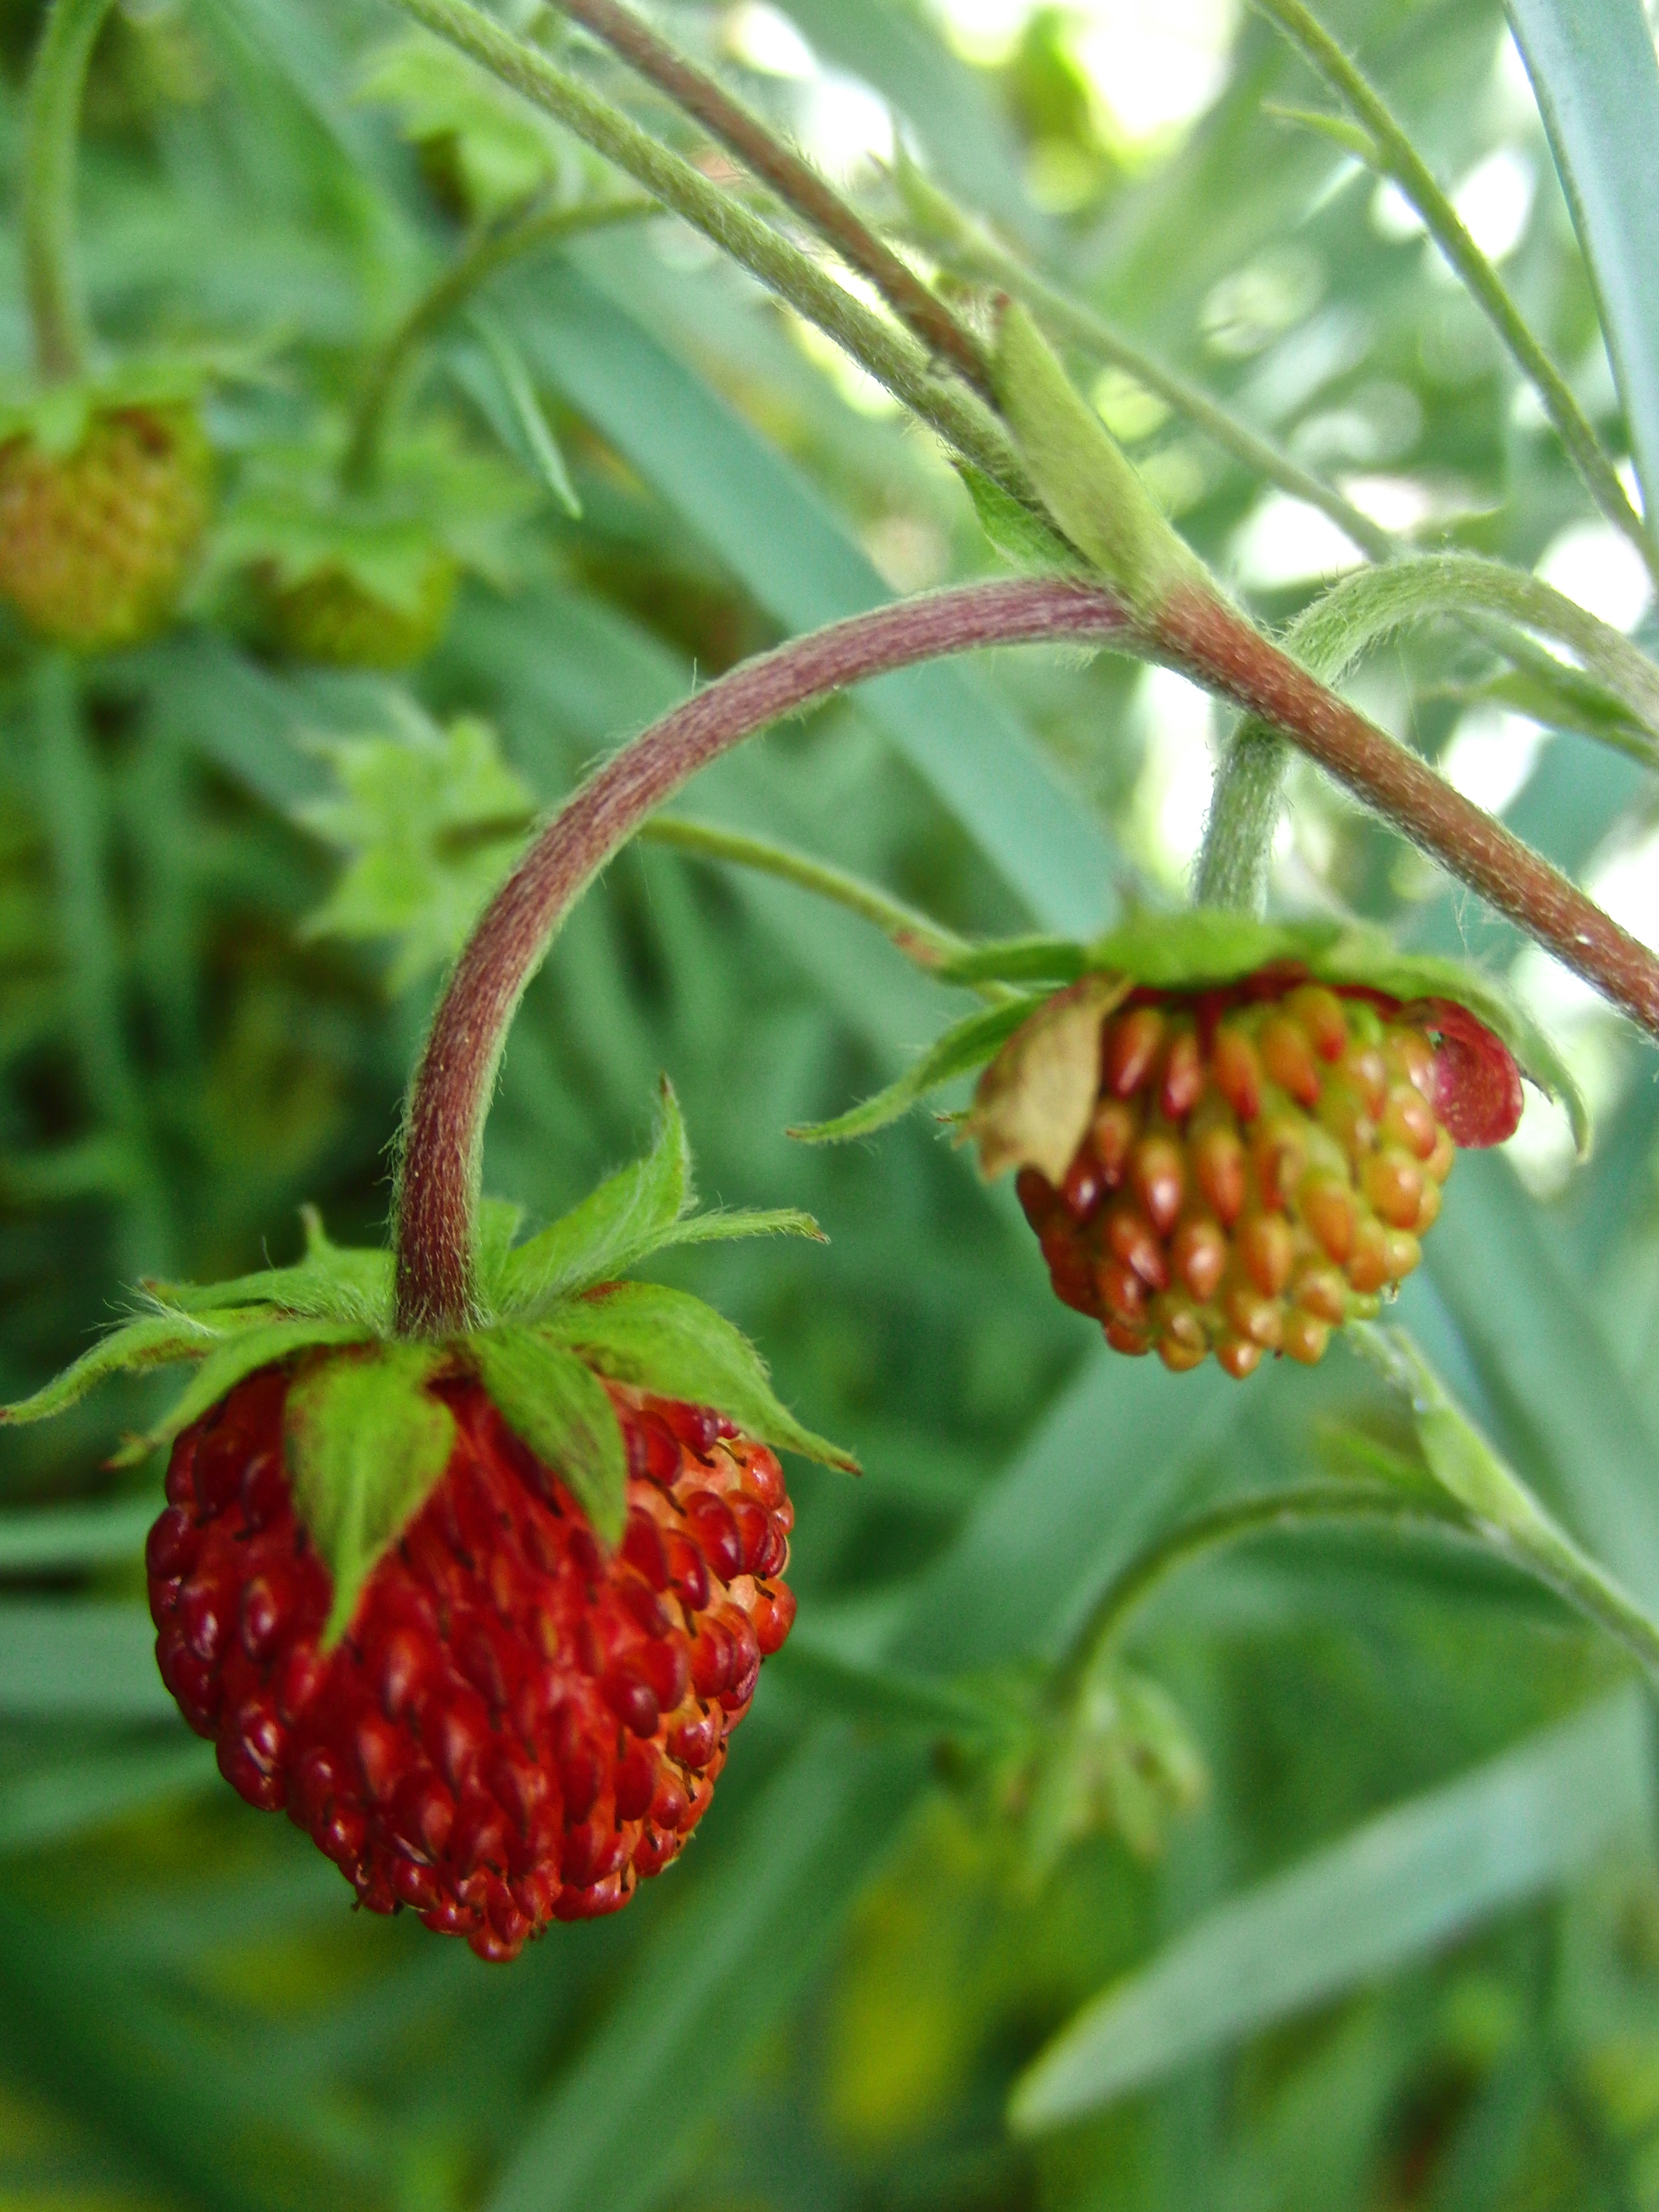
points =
(1193, 631)
(1397, 158)
(1237, 857)
(888, 353)
(1303, 1505)
(793, 181)
(51, 143)
(1200, 634)
(443, 1128)
(482, 258)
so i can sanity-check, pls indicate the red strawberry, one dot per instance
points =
(1261, 1162)
(514, 1729)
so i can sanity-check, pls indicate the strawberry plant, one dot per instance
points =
(1207, 1756)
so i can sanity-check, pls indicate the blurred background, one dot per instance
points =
(1402, 1947)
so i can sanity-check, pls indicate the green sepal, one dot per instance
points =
(629, 1215)
(969, 1045)
(668, 1342)
(1087, 482)
(1202, 946)
(556, 1404)
(268, 1341)
(158, 1340)
(56, 416)
(1024, 539)
(333, 1283)
(366, 1443)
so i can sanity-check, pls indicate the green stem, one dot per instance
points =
(1397, 158)
(916, 936)
(1236, 858)
(888, 353)
(1305, 1506)
(482, 258)
(51, 277)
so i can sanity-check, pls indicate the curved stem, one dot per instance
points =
(891, 355)
(57, 79)
(443, 1128)
(1237, 857)
(1305, 1506)
(1397, 158)
(1193, 631)
(1199, 633)
(482, 258)
(793, 181)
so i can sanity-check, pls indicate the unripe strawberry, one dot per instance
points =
(514, 1727)
(1261, 1163)
(331, 618)
(95, 545)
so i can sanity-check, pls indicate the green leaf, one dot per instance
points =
(79, 1794)
(1596, 80)
(366, 1445)
(969, 1045)
(557, 1405)
(671, 1343)
(1086, 480)
(59, 1538)
(430, 822)
(62, 1660)
(503, 149)
(619, 1223)
(1392, 1891)
(152, 1340)
(525, 413)
(260, 1345)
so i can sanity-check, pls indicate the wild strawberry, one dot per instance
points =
(1261, 1162)
(515, 1727)
(95, 545)
(331, 617)
(480, 1612)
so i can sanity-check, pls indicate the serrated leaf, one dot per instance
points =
(365, 1445)
(969, 1045)
(1034, 1099)
(152, 1340)
(431, 821)
(617, 1224)
(556, 1404)
(1087, 483)
(671, 1343)
(259, 1346)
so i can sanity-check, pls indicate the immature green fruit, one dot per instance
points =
(1260, 1163)
(95, 545)
(331, 618)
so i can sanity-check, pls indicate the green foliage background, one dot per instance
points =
(827, 2004)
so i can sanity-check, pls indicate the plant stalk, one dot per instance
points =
(482, 258)
(51, 273)
(887, 352)
(795, 181)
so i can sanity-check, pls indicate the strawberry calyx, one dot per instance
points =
(1485, 1041)
(367, 1425)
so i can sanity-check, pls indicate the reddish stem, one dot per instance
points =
(443, 1129)
(444, 1125)
(795, 181)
